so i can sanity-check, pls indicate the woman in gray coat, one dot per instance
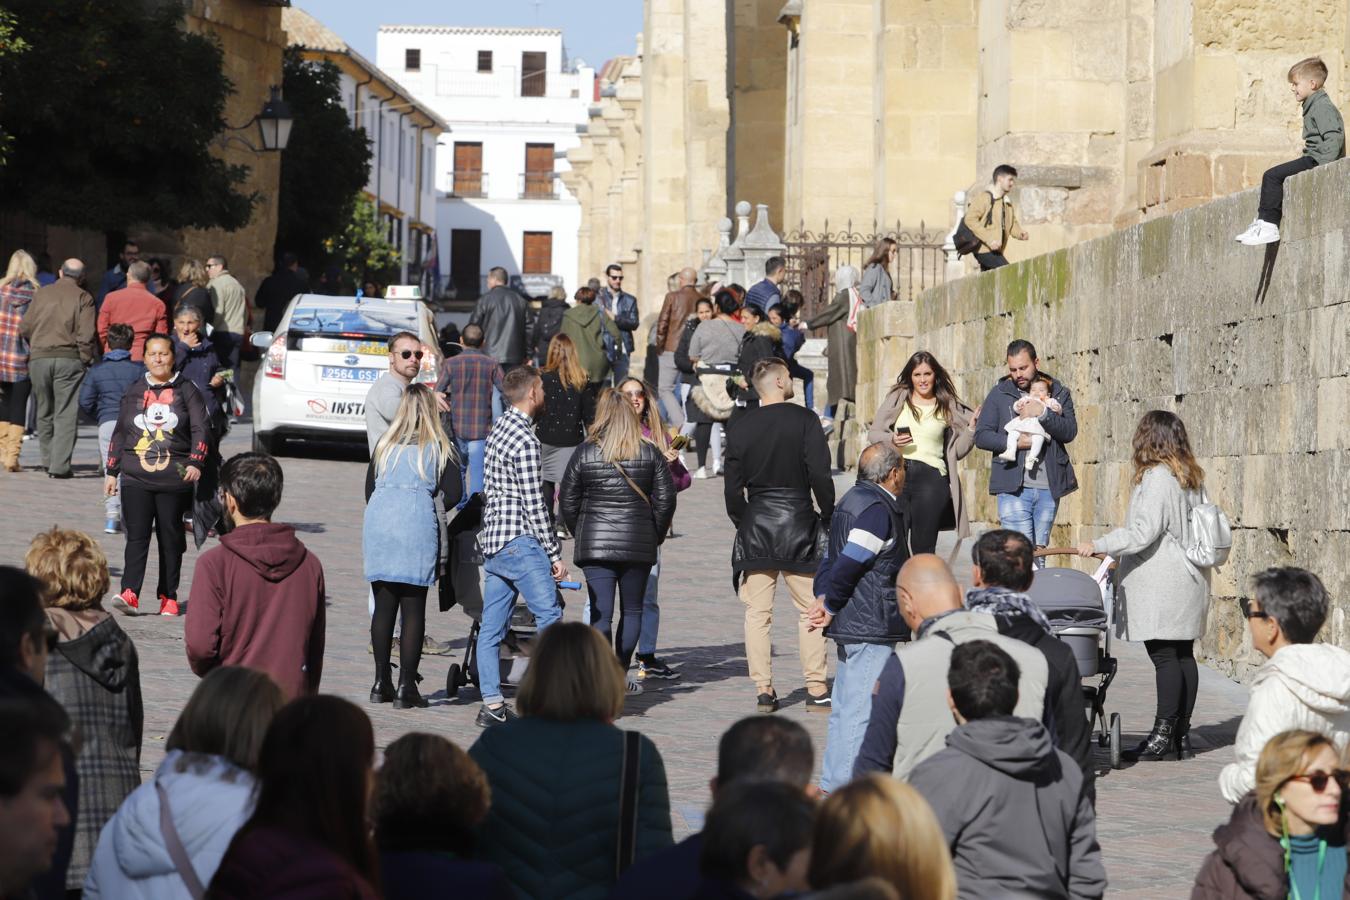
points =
(876, 277)
(1161, 597)
(841, 347)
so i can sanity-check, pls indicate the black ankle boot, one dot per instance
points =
(408, 696)
(1160, 743)
(383, 689)
(1183, 738)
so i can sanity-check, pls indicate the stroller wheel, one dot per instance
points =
(452, 681)
(1115, 740)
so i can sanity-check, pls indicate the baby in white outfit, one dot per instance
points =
(1039, 391)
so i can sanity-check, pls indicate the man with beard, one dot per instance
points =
(257, 599)
(1028, 497)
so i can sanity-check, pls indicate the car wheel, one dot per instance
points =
(266, 443)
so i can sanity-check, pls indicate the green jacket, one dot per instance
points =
(554, 822)
(1323, 129)
(586, 325)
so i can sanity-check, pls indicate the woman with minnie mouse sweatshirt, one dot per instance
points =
(159, 449)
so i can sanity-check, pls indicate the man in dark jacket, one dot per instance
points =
(1028, 498)
(622, 308)
(776, 460)
(547, 323)
(1002, 576)
(761, 748)
(60, 329)
(1012, 807)
(278, 289)
(257, 599)
(36, 840)
(502, 314)
(101, 400)
(855, 600)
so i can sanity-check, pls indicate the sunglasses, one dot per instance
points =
(1248, 612)
(635, 393)
(1318, 780)
(409, 354)
(616, 278)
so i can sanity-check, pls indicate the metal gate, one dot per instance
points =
(813, 257)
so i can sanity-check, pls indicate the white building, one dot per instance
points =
(402, 134)
(514, 104)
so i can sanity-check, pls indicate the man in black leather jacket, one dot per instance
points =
(776, 460)
(503, 314)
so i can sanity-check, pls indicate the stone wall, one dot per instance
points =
(1251, 348)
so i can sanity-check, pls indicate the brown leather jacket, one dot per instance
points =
(679, 305)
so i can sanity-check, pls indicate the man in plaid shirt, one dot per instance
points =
(469, 378)
(520, 549)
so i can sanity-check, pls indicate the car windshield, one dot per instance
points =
(354, 329)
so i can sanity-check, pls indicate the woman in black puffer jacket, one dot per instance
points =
(617, 498)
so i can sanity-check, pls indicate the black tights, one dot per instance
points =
(702, 440)
(551, 501)
(1177, 675)
(390, 597)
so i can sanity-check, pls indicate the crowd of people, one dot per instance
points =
(958, 757)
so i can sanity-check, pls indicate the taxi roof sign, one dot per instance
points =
(403, 292)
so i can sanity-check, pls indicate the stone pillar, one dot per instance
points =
(758, 102)
(953, 266)
(734, 256)
(715, 269)
(760, 244)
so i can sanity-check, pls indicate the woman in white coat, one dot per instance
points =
(206, 779)
(1161, 598)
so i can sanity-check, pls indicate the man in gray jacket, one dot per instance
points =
(1013, 808)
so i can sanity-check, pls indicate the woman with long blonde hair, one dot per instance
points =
(16, 293)
(569, 406)
(879, 827)
(617, 496)
(191, 289)
(1161, 598)
(413, 477)
(640, 396)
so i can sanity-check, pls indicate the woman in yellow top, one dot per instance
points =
(925, 420)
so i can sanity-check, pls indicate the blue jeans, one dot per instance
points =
(470, 467)
(797, 370)
(1030, 511)
(651, 611)
(850, 708)
(521, 567)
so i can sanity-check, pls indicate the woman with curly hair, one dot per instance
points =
(1161, 598)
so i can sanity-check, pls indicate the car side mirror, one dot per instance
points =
(261, 339)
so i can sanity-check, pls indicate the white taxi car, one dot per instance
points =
(320, 363)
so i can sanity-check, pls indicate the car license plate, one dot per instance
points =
(347, 373)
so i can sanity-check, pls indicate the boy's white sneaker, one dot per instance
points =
(1266, 233)
(1251, 230)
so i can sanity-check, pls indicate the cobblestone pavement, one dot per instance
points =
(1154, 819)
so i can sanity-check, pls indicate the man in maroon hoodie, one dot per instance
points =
(257, 599)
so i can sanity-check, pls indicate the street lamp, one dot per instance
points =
(274, 126)
(274, 122)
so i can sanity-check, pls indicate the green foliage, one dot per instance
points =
(10, 45)
(112, 112)
(363, 251)
(325, 165)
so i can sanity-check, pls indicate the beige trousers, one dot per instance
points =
(757, 592)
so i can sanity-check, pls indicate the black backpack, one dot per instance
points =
(966, 240)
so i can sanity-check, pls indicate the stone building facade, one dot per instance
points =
(1114, 111)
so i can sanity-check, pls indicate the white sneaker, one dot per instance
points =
(826, 424)
(717, 469)
(1266, 233)
(701, 472)
(1251, 230)
(632, 686)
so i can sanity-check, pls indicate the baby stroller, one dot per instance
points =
(518, 635)
(1082, 612)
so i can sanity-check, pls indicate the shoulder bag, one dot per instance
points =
(634, 485)
(628, 802)
(967, 241)
(1211, 537)
(174, 845)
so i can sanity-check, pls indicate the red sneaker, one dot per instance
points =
(167, 606)
(128, 603)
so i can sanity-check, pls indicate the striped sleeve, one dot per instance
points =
(870, 534)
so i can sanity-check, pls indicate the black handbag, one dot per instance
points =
(967, 241)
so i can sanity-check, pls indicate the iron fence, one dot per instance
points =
(813, 257)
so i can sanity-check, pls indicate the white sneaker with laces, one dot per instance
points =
(1266, 233)
(1251, 230)
(701, 472)
(633, 687)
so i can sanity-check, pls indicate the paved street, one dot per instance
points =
(1154, 819)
